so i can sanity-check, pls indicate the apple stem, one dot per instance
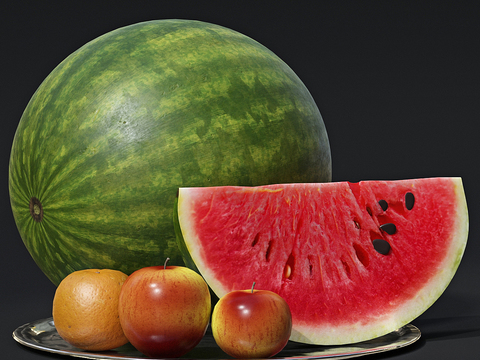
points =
(253, 286)
(165, 265)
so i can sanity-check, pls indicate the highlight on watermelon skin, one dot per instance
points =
(138, 112)
(354, 261)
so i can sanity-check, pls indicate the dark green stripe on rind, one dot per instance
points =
(124, 121)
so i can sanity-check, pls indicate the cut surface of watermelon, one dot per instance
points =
(354, 261)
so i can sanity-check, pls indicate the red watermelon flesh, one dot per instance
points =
(326, 249)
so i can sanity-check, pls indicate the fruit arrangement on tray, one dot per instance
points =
(187, 142)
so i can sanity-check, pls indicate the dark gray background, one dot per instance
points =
(397, 83)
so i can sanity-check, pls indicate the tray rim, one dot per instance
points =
(409, 329)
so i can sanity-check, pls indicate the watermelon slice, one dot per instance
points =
(354, 261)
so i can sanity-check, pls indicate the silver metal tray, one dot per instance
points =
(42, 335)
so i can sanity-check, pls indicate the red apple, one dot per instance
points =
(164, 310)
(251, 323)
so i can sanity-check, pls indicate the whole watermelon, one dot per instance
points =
(123, 122)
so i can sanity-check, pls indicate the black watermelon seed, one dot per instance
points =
(383, 204)
(409, 200)
(389, 228)
(382, 246)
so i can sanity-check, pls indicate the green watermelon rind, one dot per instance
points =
(356, 332)
(125, 120)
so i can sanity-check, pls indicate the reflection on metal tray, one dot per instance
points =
(42, 335)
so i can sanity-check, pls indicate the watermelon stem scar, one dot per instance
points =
(36, 209)
(135, 114)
